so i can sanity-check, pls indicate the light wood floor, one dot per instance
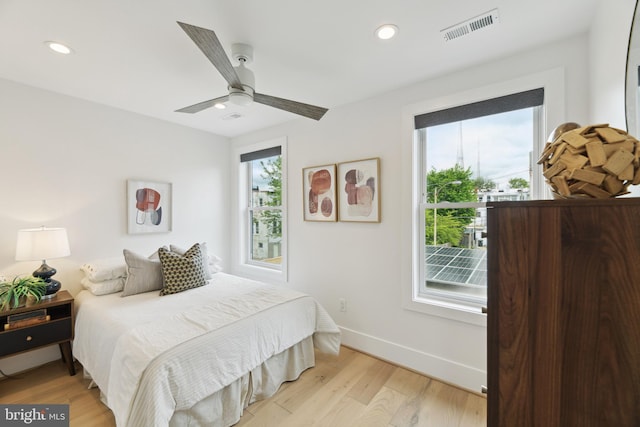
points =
(352, 390)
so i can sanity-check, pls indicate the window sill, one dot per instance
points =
(448, 310)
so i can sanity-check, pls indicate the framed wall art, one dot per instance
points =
(359, 190)
(319, 193)
(148, 207)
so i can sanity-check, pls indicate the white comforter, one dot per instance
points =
(153, 355)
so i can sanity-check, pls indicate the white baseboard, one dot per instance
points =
(448, 371)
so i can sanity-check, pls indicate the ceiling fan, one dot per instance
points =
(241, 80)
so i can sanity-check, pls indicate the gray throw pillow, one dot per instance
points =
(143, 274)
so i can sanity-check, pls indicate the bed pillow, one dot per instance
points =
(182, 272)
(143, 274)
(154, 256)
(213, 262)
(104, 269)
(105, 287)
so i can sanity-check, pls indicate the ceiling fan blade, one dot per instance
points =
(311, 111)
(209, 44)
(203, 105)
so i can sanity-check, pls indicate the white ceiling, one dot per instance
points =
(131, 54)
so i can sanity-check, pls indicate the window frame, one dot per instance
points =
(536, 192)
(552, 112)
(242, 262)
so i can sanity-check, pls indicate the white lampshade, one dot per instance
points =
(42, 244)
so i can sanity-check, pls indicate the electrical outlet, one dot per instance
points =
(343, 305)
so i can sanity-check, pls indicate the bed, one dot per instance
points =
(201, 356)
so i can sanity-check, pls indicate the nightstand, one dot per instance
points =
(57, 330)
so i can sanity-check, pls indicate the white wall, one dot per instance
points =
(65, 162)
(364, 262)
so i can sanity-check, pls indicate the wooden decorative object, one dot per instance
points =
(595, 161)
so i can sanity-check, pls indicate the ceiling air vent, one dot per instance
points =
(470, 25)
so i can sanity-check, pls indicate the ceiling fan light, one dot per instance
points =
(59, 47)
(240, 98)
(387, 31)
(220, 106)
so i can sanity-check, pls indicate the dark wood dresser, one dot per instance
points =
(564, 313)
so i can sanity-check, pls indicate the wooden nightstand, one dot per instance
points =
(58, 330)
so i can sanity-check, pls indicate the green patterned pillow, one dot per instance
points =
(182, 272)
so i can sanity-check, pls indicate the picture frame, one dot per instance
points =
(359, 190)
(148, 206)
(319, 193)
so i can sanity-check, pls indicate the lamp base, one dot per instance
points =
(45, 272)
(53, 286)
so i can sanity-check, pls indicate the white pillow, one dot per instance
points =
(214, 261)
(105, 269)
(154, 256)
(105, 287)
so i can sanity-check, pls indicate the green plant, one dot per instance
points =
(20, 288)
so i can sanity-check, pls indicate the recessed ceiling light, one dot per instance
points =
(387, 31)
(59, 47)
(220, 106)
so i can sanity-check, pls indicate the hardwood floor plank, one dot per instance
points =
(408, 414)
(343, 414)
(270, 414)
(324, 400)
(292, 397)
(381, 409)
(475, 412)
(442, 405)
(352, 389)
(407, 382)
(371, 383)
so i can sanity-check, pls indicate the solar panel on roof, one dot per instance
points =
(433, 271)
(459, 266)
(439, 260)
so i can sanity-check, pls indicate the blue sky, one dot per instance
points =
(497, 145)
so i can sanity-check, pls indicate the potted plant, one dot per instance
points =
(14, 293)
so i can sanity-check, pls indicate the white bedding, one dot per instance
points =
(177, 349)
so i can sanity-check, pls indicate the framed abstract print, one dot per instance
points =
(319, 193)
(359, 190)
(148, 207)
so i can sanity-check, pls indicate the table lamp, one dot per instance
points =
(43, 243)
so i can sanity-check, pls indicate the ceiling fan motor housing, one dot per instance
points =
(243, 96)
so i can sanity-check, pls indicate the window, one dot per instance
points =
(262, 216)
(468, 155)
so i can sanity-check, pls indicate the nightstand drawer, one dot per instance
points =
(35, 336)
